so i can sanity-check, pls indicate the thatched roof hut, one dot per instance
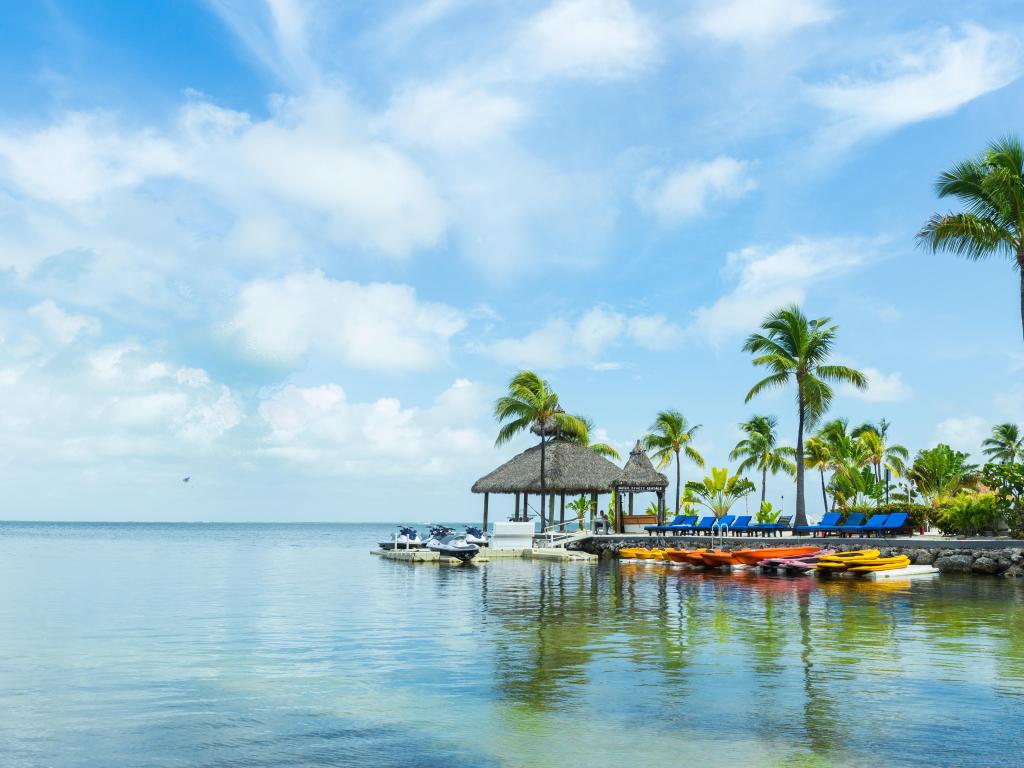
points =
(569, 468)
(639, 474)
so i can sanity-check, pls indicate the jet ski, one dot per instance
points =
(476, 536)
(445, 541)
(407, 538)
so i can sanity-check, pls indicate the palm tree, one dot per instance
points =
(796, 349)
(759, 450)
(940, 472)
(1006, 445)
(583, 438)
(672, 434)
(532, 404)
(991, 188)
(817, 456)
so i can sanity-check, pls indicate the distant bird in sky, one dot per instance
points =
(186, 478)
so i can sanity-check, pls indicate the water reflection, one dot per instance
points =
(291, 646)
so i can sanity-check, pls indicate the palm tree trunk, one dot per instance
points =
(676, 511)
(801, 509)
(1020, 270)
(764, 482)
(824, 496)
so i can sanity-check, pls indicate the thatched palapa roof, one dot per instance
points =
(568, 468)
(640, 474)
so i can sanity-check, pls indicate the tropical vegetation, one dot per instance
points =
(797, 350)
(670, 436)
(719, 491)
(760, 450)
(991, 189)
(1005, 446)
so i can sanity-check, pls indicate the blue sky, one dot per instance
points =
(294, 249)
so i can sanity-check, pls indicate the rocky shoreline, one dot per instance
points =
(962, 558)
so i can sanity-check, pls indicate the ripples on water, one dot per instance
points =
(236, 645)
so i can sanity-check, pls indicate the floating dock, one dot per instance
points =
(486, 555)
(901, 573)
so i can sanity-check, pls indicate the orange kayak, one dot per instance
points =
(755, 556)
(676, 555)
(694, 558)
(717, 558)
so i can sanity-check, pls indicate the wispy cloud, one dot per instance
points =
(923, 78)
(684, 193)
(758, 22)
(882, 387)
(590, 340)
(765, 278)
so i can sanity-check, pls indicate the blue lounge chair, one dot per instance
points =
(875, 525)
(772, 529)
(680, 521)
(742, 525)
(897, 522)
(828, 523)
(686, 525)
(853, 522)
(677, 520)
(704, 526)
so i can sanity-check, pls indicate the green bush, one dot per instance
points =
(1007, 483)
(968, 514)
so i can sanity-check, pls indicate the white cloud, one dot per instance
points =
(685, 192)
(82, 406)
(84, 156)
(882, 387)
(377, 325)
(766, 279)
(596, 39)
(586, 342)
(320, 429)
(963, 433)
(451, 116)
(758, 22)
(63, 326)
(928, 78)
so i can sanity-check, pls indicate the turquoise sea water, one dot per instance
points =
(289, 645)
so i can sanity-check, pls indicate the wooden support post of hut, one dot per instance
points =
(639, 476)
(593, 509)
(487, 498)
(569, 469)
(561, 513)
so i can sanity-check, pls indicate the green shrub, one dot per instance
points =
(968, 514)
(1007, 483)
(766, 514)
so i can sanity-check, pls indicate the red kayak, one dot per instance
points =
(755, 556)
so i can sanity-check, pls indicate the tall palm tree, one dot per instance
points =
(531, 404)
(760, 450)
(795, 349)
(818, 456)
(583, 438)
(672, 434)
(991, 188)
(1006, 446)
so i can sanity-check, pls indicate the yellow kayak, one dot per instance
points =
(631, 552)
(842, 560)
(840, 556)
(876, 560)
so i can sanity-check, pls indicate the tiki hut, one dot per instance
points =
(570, 469)
(639, 476)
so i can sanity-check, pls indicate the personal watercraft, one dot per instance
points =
(445, 541)
(476, 536)
(407, 538)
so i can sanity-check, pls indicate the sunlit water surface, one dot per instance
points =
(246, 645)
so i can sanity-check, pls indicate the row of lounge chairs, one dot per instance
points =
(688, 525)
(854, 525)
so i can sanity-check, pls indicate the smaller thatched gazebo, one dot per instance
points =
(639, 476)
(570, 469)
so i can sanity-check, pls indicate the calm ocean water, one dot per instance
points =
(288, 645)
